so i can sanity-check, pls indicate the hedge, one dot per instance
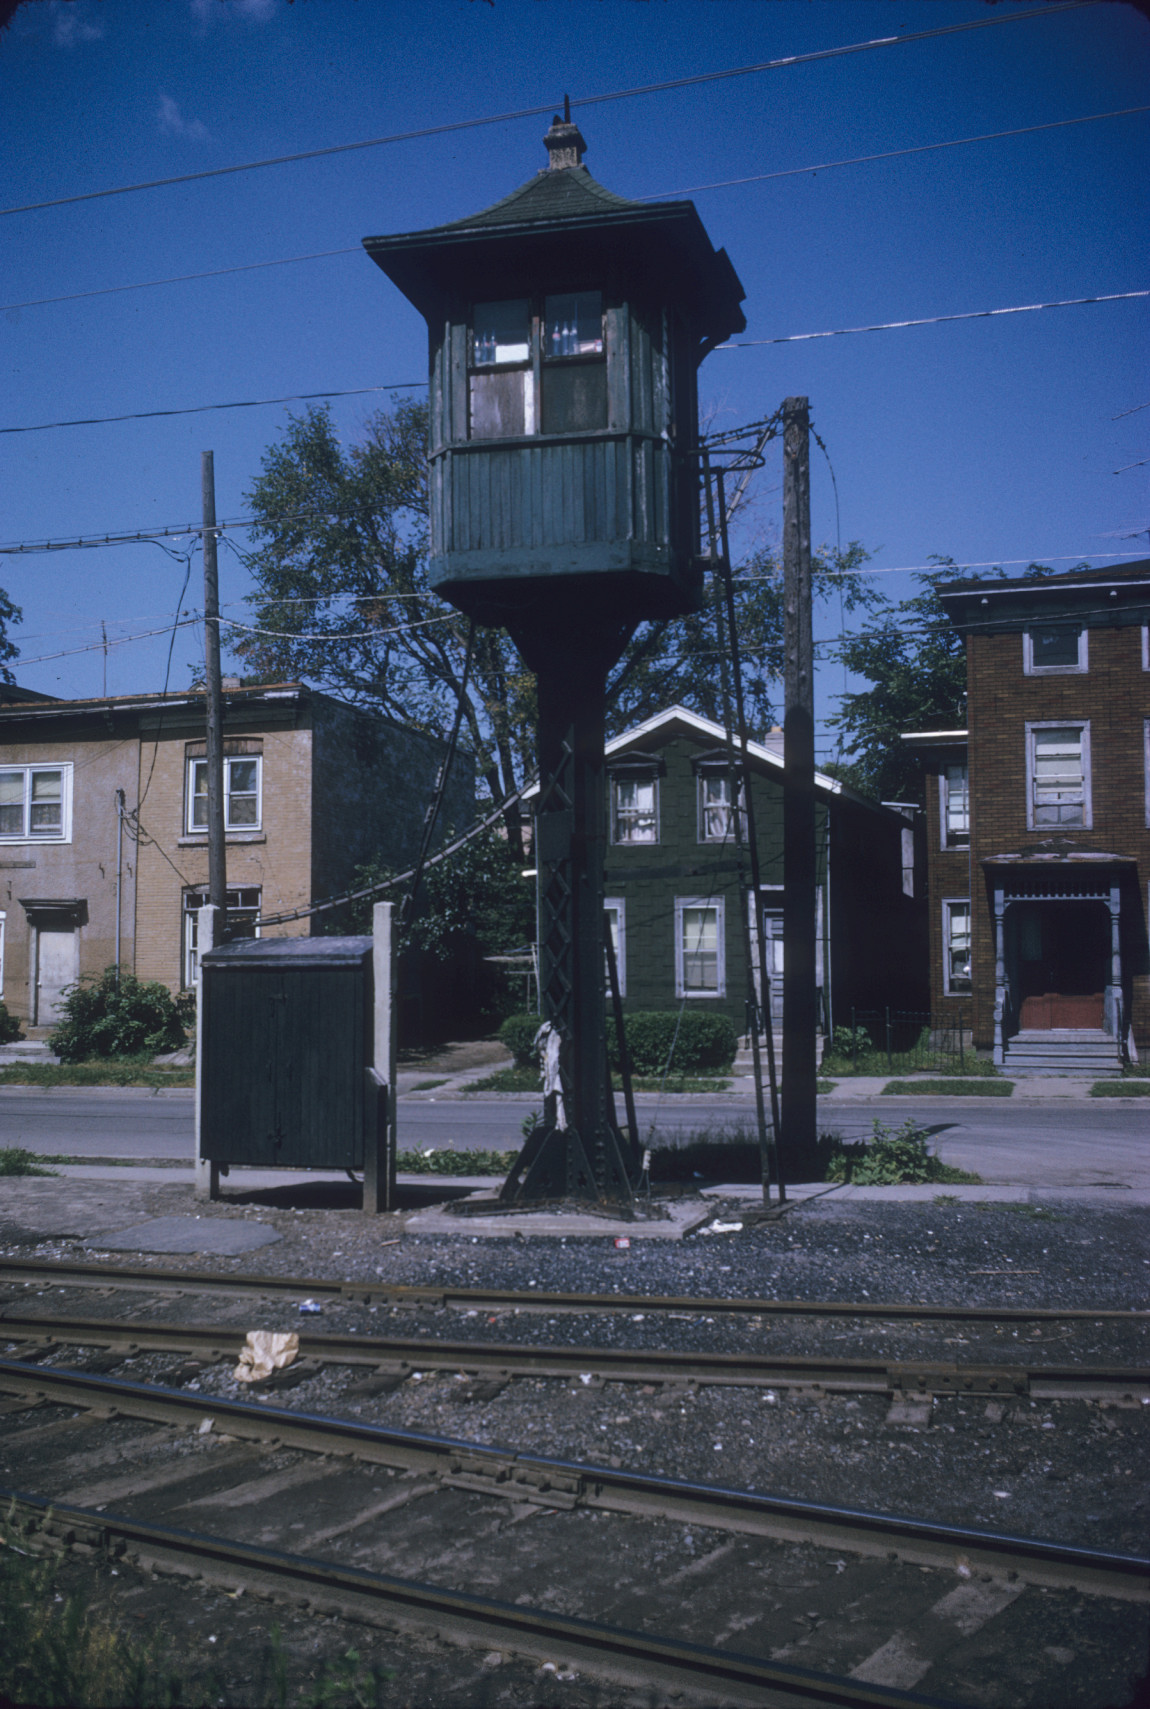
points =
(701, 1042)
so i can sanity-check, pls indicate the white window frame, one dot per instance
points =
(189, 929)
(946, 841)
(949, 903)
(1146, 763)
(3, 924)
(705, 775)
(634, 776)
(1031, 669)
(617, 906)
(1146, 646)
(191, 829)
(25, 834)
(1083, 726)
(682, 903)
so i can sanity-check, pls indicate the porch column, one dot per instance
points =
(999, 975)
(1112, 1019)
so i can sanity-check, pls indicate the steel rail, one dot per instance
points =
(601, 1364)
(136, 1277)
(565, 1484)
(622, 1655)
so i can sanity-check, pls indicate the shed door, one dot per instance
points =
(57, 965)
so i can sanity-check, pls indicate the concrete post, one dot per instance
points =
(380, 1139)
(207, 1172)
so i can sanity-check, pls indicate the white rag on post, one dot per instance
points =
(547, 1042)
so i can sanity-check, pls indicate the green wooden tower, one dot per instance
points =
(566, 326)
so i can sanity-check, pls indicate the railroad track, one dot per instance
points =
(828, 1605)
(63, 1273)
(41, 1335)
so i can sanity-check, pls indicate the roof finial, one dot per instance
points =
(565, 142)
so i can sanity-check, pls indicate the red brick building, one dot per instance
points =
(1038, 828)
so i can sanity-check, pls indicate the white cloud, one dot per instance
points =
(73, 22)
(173, 123)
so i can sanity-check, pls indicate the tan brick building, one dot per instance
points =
(1039, 820)
(103, 827)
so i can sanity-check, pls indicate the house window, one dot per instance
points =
(954, 805)
(1146, 646)
(1054, 649)
(635, 808)
(716, 820)
(502, 383)
(956, 980)
(700, 969)
(242, 803)
(1059, 773)
(1146, 763)
(615, 909)
(243, 913)
(3, 923)
(907, 842)
(36, 804)
(562, 338)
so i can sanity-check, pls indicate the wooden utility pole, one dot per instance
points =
(799, 1147)
(217, 854)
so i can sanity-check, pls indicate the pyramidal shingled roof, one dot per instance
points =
(566, 192)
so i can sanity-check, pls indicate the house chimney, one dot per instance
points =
(565, 142)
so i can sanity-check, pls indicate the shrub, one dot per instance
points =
(117, 1016)
(847, 1041)
(9, 1026)
(891, 1159)
(703, 1041)
(518, 1034)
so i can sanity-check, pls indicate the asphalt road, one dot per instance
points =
(1076, 1143)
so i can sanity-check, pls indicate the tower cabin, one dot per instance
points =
(566, 325)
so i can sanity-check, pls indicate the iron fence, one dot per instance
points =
(903, 1039)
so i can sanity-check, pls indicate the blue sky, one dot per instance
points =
(986, 439)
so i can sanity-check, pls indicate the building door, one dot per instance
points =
(57, 966)
(773, 947)
(1063, 957)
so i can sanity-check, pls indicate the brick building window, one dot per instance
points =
(954, 806)
(956, 948)
(36, 804)
(1058, 773)
(1055, 649)
(635, 807)
(700, 969)
(615, 909)
(243, 914)
(242, 794)
(1146, 763)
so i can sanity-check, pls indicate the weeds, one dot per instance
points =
(890, 1159)
(433, 1162)
(135, 1071)
(1120, 1089)
(14, 1160)
(948, 1088)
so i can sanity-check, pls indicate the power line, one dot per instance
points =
(864, 159)
(536, 112)
(662, 195)
(201, 409)
(948, 569)
(352, 635)
(745, 344)
(118, 641)
(929, 320)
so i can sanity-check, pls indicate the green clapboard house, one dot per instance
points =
(675, 873)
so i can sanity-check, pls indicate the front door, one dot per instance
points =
(1063, 953)
(57, 966)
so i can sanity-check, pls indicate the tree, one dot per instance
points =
(916, 659)
(9, 614)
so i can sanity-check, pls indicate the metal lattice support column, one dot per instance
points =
(577, 1152)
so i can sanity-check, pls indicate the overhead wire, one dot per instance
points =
(931, 320)
(659, 196)
(695, 80)
(203, 409)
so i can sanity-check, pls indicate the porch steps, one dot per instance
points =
(1064, 1050)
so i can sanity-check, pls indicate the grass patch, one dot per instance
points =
(428, 1085)
(14, 1160)
(506, 1080)
(822, 1087)
(891, 1158)
(874, 1063)
(131, 1071)
(1120, 1089)
(948, 1088)
(527, 1080)
(455, 1162)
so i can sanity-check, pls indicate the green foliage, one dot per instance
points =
(518, 1034)
(122, 1071)
(1120, 1089)
(849, 1041)
(916, 659)
(432, 1162)
(699, 1042)
(9, 614)
(117, 1015)
(15, 1160)
(890, 1158)
(9, 1026)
